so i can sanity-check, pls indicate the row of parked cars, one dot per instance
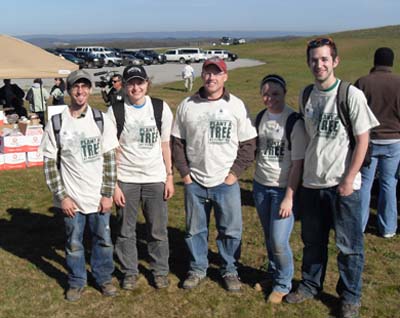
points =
(98, 56)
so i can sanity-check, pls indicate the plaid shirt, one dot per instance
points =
(56, 185)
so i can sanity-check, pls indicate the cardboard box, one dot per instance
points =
(1, 117)
(29, 130)
(12, 144)
(15, 160)
(33, 142)
(1, 161)
(34, 158)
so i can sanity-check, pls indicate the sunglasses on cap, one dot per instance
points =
(320, 42)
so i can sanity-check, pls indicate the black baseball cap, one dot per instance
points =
(134, 71)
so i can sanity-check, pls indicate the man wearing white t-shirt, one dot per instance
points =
(331, 182)
(145, 176)
(188, 76)
(83, 185)
(214, 142)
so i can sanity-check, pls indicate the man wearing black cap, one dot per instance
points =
(214, 142)
(145, 176)
(382, 89)
(82, 142)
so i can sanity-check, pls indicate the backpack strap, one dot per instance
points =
(98, 118)
(258, 119)
(306, 95)
(119, 114)
(290, 122)
(158, 110)
(344, 111)
(56, 121)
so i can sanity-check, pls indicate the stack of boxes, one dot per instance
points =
(18, 151)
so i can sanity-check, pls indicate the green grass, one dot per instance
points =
(33, 275)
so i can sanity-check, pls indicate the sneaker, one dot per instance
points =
(232, 282)
(349, 311)
(389, 235)
(73, 294)
(129, 282)
(108, 289)
(192, 281)
(161, 281)
(297, 297)
(276, 297)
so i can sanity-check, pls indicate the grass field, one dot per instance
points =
(33, 276)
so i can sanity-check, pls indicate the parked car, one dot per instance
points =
(72, 58)
(231, 56)
(130, 59)
(148, 60)
(182, 55)
(109, 59)
(91, 60)
(222, 54)
(158, 58)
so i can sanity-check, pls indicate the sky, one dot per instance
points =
(28, 17)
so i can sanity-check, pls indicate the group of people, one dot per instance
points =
(12, 97)
(125, 156)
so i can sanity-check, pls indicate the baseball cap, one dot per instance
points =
(78, 75)
(134, 71)
(217, 62)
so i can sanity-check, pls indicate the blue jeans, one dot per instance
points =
(228, 215)
(101, 260)
(385, 159)
(323, 209)
(277, 233)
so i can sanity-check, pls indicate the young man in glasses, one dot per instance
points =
(116, 93)
(331, 182)
(214, 142)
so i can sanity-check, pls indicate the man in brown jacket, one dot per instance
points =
(382, 89)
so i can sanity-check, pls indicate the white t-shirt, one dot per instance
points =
(328, 154)
(212, 131)
(140, 159)
(187, 71)
(82, 149)
(274, 159)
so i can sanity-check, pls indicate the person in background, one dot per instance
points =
(116, 93)
(382, 89)
(278, 173)
(80, 171)
(57, 91)
(188, 76)
(331, 181)
(214, 142)
(12, 98)
(37, 97)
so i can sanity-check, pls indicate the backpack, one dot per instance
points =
(290, 122)
(56, 121)
(119, 114)
(342, 105)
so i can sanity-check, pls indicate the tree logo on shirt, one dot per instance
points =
(328, 126)
(90, 149)
(148, 136)
(274, 150)
(219, 131)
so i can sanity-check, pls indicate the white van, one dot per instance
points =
(222, 54)
(182, 55)
(92, 49)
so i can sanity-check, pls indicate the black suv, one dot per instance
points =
(158, 58)
(91, 61)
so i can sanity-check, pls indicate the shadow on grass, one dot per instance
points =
(36, 238)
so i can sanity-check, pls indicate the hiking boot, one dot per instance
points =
(297, 297)
(349, 311)
(108, 289)
(73, 294)
(276, 297)
(161, 281)
(192, 281)
(129, 282)
(232, 282)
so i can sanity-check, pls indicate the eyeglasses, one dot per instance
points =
(208, 74)
(320, 42)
